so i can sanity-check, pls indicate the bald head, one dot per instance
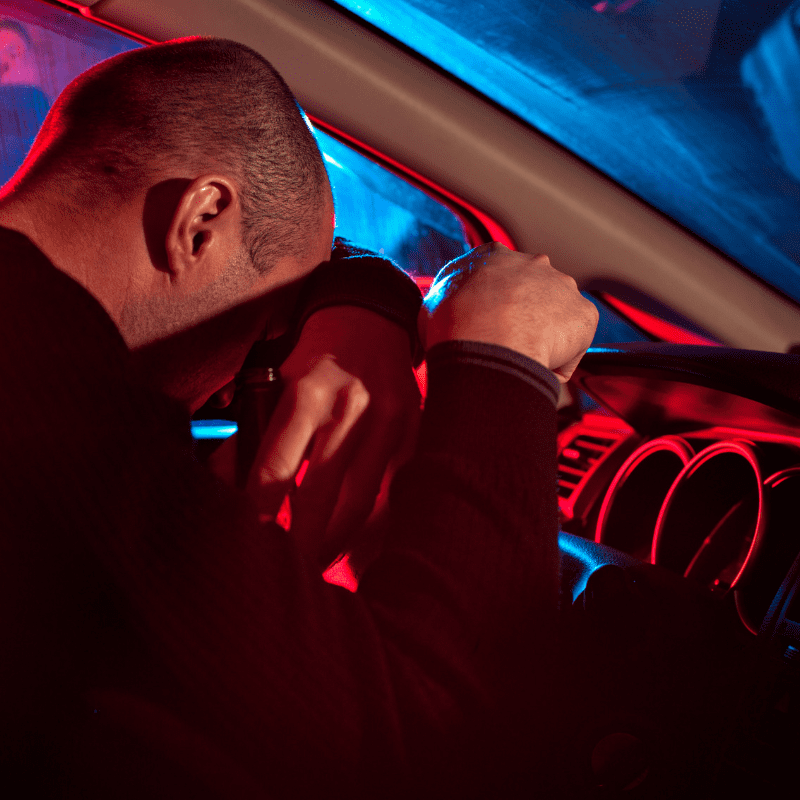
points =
(183, 108)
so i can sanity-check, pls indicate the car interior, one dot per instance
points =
(650, 148)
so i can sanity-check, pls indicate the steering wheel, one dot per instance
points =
(652, 665)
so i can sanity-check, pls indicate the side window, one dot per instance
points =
(41, 50)
(611, 327)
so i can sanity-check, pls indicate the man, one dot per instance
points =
(164, 637)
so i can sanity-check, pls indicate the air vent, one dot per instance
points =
(589, 452)
(575, 460)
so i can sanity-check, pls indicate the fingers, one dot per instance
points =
(334, 450)
(499, 296)
(377, 444)
(328, 419)
(349, 393)
(314, 504)
(279, 457)
(320, 408)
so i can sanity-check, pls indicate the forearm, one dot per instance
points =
(468, 580)
(352, 277)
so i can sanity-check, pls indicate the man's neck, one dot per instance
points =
(75, 244)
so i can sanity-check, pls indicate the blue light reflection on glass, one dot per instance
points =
(213, 428)
(381, 212)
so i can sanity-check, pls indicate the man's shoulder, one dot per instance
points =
(62, 355)
(44, 307)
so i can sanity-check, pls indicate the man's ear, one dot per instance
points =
(205, 232)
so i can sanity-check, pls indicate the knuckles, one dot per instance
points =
(279, 470)
(357, 397)
(310, 392)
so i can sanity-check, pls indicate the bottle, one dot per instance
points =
(259, 391)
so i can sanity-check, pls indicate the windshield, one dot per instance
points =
(694, 105)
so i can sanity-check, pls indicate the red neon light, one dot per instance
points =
(740, 448)
(284, 516)
(679, 447)
(726, 432)
(655, 326)
(779, 477)
(495, 231)
(86, 11)
(301, 473)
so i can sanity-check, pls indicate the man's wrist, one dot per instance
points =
(355, 277)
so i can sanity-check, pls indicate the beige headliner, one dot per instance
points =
(547, 200)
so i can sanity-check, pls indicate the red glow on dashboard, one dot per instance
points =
(655, 326)
(474, 236)
(741, 448)
(678, 447)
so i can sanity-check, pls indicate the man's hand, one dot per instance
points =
(498, 296)
(350, 404)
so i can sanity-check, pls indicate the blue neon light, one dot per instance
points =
(213, 428)
(566, 545)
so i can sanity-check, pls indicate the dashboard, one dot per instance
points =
(681, 562)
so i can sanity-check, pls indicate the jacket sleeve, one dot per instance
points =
(354, 277)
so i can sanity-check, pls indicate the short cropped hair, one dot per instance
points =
(198, 103)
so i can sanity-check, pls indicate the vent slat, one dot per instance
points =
(577, 458)
(595, 447)
(571, 470)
